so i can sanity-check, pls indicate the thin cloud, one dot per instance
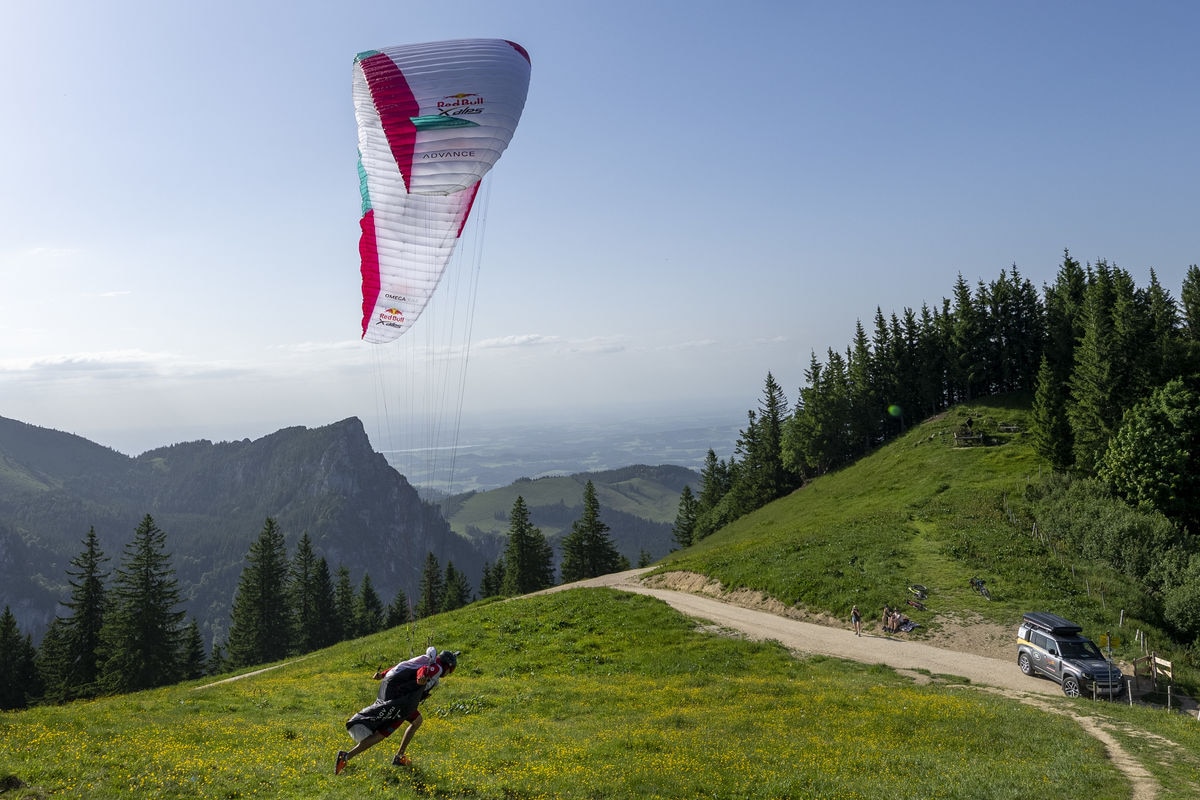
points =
(531, 341)
(521, 340)
(113, 364)
(600, 344)
(116, 365)
(693, 344)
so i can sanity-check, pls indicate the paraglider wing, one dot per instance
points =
(405, 246)
(432, 121)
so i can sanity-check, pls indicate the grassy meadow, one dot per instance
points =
(593, 693)
(589, 693)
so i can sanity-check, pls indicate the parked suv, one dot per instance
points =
(1052, 646)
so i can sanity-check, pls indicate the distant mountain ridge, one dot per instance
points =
(212, 499)
(638, 503)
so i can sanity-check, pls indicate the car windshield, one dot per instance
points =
(1081, 649)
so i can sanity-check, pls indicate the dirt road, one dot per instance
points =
(807, 637)
(995, 674)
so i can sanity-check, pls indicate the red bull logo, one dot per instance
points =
(460, 100)
(461, 104)
(392, 317)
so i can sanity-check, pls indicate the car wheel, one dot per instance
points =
(1070, 686)
(1024, 663)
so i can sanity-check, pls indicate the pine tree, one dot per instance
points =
(741, 492)
(1051, 425)
(685, 518)
(217, 662)
(802, 433)
(458, 589)
(1189, 298)
(1027, 331)
(943, 321)
(1064, 317)
(54, 664)
(261, 627)
(432, 589)
(81, 630)
(492, 583)
(931, 365)
(192, 657)
(864, 405)
(968, 367)
(884, 370)
(1164, 350)
(818, 436)
(19, 679)
(763, 476)
(528, 557)
(140, 640)
(711, 506)
(1131, 349)
(310, 595)
(1096, 382)
(906, 401)
(328, 626)
(994, 302)
(343, 604)
(368, 608)
(588, 550)
(1053, 399)
(398, 612)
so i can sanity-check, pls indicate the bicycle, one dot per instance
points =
(978, 585)
(917, 604)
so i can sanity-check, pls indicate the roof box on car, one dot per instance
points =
(1051, 623)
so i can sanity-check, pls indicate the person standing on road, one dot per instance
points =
(856, 620)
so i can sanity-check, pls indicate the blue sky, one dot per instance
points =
(698, 193)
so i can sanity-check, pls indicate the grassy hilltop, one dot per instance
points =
(924, 509)
(593, 693)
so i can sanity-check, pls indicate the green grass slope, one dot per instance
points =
(923, 509)
(583, 694)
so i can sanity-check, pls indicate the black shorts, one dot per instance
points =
(383, 718)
